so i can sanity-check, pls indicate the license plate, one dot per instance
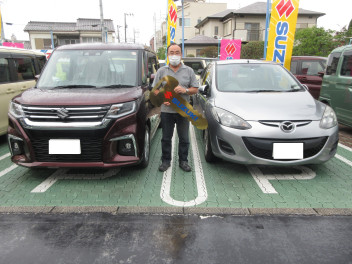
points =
(64, 146)
(288, 150)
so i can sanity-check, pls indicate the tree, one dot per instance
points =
(252, 50)
(210, 52)
(161, 53)
(316, 42)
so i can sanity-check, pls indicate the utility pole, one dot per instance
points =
(102, 21)
(126, 14)
(118, 33)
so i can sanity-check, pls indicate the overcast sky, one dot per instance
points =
(20, 12)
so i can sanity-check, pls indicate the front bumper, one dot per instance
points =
(100, 148)
(254, 146)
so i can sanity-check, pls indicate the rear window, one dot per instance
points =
(346, 68)
(194, 65)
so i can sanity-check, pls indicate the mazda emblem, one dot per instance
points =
(287, 126)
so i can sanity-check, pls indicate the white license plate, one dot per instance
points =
(288, 150)
(64, 146)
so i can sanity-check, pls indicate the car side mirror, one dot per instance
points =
(151, 80)
(203, 89)
(321, 74)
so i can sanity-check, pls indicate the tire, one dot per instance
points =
(208, 152)
(146, 149)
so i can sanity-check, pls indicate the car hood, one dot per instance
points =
(271, 106)
(77, 96)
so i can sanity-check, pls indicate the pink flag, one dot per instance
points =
(230, 49)
(13, 45)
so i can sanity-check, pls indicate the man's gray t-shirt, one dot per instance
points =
(185, 77)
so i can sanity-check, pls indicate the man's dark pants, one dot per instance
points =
(168, 121)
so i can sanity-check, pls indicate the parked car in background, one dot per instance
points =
(306, 69)
(336, 89)
(18, 68)
(90, 108)
(198, 64)
(258, 113)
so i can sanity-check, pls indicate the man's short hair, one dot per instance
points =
(173, 44)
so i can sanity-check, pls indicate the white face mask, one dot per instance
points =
(174, 60)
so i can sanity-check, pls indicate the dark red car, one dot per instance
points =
(90, 108)
(306, 69)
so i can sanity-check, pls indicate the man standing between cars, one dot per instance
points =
(188, 85)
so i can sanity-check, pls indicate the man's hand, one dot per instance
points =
(166, 103)
(180, 90)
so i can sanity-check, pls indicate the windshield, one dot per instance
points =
(255, 78)
(90, 68)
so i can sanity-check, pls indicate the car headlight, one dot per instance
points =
(16, 110)
(228, 119)
(119, 110)
(329, 119)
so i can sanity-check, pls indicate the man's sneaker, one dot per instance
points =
(184, 165)
(164, 166)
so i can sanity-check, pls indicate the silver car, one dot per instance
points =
(259, 113)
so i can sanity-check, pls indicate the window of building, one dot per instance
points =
(91, 39)
(216, 30)
(333, 60)
(187, 22)
(68, 41)
(47, 43)
(24, 68)
(346, 68)
(252, 31)
(227, 28)
(199, 20)
(4, 71)
(198, 52)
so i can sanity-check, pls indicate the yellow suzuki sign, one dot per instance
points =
(171, 23)
(282, 31)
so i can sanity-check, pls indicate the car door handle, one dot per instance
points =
(9, 91)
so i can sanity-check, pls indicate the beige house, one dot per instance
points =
(194, 12)
(82, 31)
(247, 23)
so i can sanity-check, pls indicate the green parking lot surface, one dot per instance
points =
(219, 184)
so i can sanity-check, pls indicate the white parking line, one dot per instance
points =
(263, 180)
(61, 174)
(201, 186)
(343, 159)
(345, 147)
(2, 173)
(5, 156)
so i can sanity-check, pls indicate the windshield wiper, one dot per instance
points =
(117, 86)
(265, 91)
(75, 86)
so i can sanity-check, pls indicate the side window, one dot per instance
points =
(311, 67)
(152, 64)
(333, 61)
(294, 67)
(346, 68)
(24, 68)
(4, 70)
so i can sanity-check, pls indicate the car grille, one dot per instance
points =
(67, 114)
(263, 148)
(91, 145)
